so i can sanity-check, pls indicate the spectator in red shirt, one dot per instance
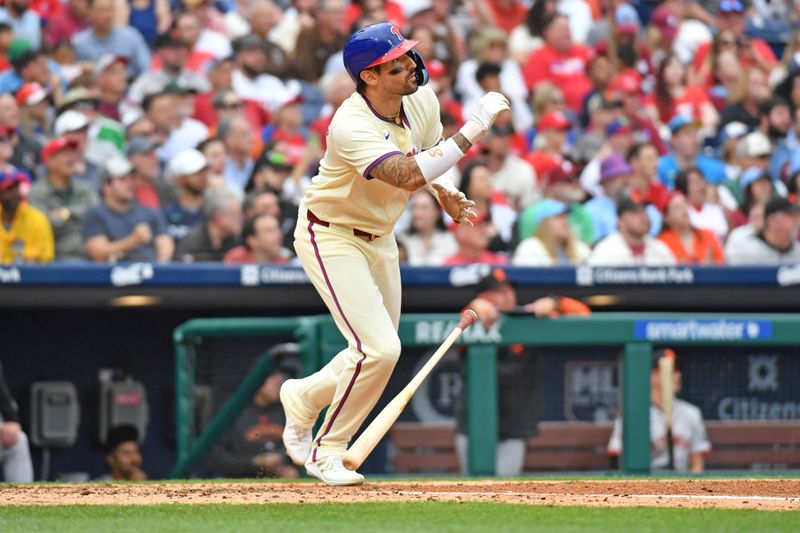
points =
(473, 243)
(645, 185)
(561, 62)
(67, 22)
(261, 238)
(507, 14)
(551, 140)
(373, 11)
(673, 96)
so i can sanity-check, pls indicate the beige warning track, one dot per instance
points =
(760, 494)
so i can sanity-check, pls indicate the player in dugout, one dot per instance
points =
(384, 142)
(517, 375)
(690, 444)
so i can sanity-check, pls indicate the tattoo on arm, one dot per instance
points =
(463, 144)
(400, 171)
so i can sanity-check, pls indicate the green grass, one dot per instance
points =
(380, 517)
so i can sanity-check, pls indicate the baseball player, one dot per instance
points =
(384, 143)
(689, 438)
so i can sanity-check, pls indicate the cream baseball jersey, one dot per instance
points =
(358, 140)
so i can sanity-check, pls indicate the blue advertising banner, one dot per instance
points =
(215, 274)
(702, 330)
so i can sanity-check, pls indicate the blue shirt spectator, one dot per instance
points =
(26, 25)
(685, 153)
(121, 229)
(668, 168)
(102, 38)
(603, 211)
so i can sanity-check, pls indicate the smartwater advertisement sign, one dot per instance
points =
(703, 330)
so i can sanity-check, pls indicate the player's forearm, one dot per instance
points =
(399, 171)
(405, 172)
(101, 249)
(165, 247)
(463, 143)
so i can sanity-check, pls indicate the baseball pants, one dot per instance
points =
(359, 281)
(16, 461)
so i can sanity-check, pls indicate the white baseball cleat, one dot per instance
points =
(296, 437)
(331, 471)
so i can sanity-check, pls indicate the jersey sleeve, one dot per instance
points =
(433, 131)
(360, 145)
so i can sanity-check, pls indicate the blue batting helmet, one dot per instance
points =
(380, 43)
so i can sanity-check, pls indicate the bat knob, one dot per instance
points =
(468, 316)
(350, 462)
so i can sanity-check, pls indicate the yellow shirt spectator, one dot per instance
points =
(29, 238)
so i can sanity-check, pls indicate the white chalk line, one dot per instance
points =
(643, 496)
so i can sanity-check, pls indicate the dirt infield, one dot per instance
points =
(757, 494)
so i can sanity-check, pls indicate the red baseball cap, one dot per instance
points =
(30, 94)
(12, 176)
(554, 120)
(57, 145)
(666, 22)
(566, 170)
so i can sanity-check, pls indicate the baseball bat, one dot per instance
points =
(666, 366)
(370, 437)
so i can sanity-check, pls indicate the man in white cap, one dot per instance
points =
(119, 229)
(74, 126)
(189, 173)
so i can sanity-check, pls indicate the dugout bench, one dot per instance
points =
(580, 446)
(320, 341)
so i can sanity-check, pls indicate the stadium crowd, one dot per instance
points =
(651, 133)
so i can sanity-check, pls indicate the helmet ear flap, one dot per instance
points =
(420, 70)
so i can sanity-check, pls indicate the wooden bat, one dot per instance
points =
(370, 437)
(666, 367)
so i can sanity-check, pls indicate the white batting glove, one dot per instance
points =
(489, 106)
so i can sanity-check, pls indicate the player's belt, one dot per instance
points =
(357, 232)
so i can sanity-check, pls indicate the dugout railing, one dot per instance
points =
(320, 340)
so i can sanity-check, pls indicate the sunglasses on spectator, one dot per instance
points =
(231, 105)
(6, 138)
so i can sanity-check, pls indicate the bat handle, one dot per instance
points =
(468, 317)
